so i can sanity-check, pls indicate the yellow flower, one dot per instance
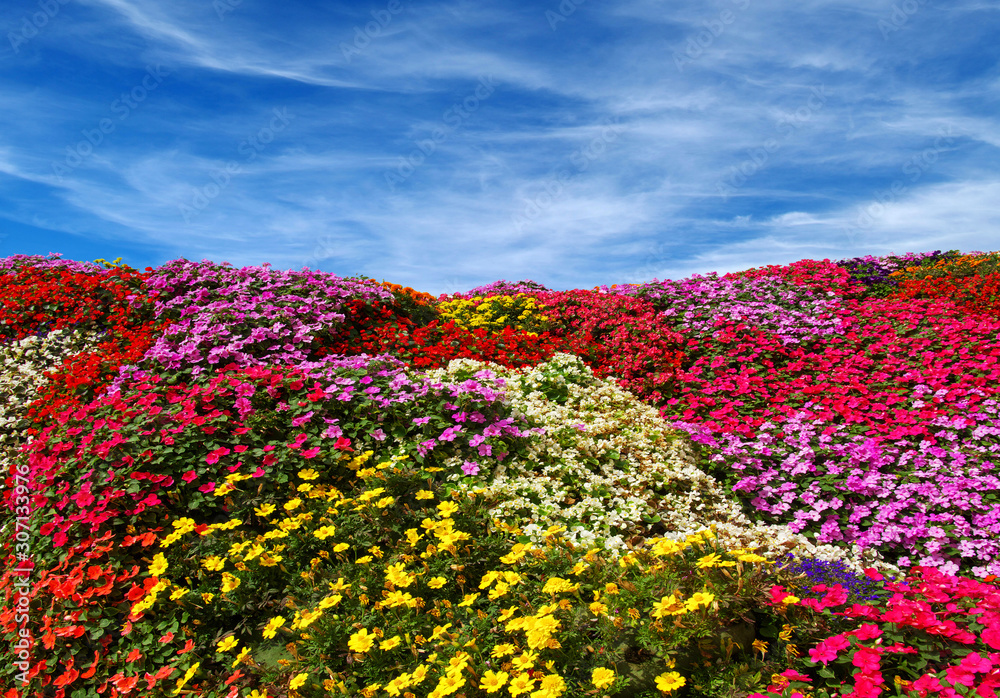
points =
(469, 599)
(670, 681)
(207, 597)
(750, 557)
(668, 605)
(412, 536)
(159, 565)
(425, 494)
(330, 601)
(340, 547)
(264, 510)
(361, 641)
(399, 598)
(710, 560)
(520, 684)
(790, 599)
(389, 644)
(187, 676)
(178, 593)
(598, 608)
(271, 629)
(384, 502)
(493, 682)
(554, 684)
(292, 504)
(437, 582)
(397, 575)
(602, 677)
(446, 509)
(241, 657)
(308, 474)
(213, 563)
(502, 650)
(229, 582)
(507, 613)
(324, 532)
(489, 578)
(700, 598)
(556, 585)
(525, 660)
(611, 589)
(363, 560)
(226, 643)
(500, 590)
(439, 631)
(298, 681)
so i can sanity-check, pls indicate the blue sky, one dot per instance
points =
(444, 145)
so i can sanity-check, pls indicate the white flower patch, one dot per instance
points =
(609, 469)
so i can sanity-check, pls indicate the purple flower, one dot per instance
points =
(470, 468)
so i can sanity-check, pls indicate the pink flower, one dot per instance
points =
(214, 456)
(867, 632)
(343, 444)
(189, 476)
(470, 467)
(866, 659)
(207, 487)
(311, 453)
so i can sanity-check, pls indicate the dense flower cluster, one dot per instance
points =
(304, 485)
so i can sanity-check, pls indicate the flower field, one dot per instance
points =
(249, 482)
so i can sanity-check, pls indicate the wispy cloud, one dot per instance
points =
(746, 132)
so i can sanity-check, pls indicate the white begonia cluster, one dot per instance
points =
(609, 469)
(23, 364)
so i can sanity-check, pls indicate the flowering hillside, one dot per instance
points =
(253, 482)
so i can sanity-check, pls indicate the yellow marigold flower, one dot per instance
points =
(553, 683)
(670, 681)
(340, 547)
(389, 644)
(223, 489)
(499, 591)
(786, 632)
(306, 618)
(521, 684)
(254, 552)
(178, 593)
(446, 509)
(710, 560)
(602, 677)
(264, 510)
(159, 565)
(525, 660)
(439, 631)
(397, 575)
(324, 532)
(308, 474)
(493, 681)
(437, 582)
(634, 613)
(507, 613)
(226, 643)
(412, 536)
(292, 504)
(666, 546)
(363, 560)
(399, 598)
(790, 599)
(187, 676)
(330, 601)
(750, 557)
(502, 650)
(598, 609)
(611, 589)
(384, 502)
(425, 494)
(469, 599)
(668, 606)
(229, 582)
(207, 597)
(488, 579)
(556, 585)
(213, 563)
(419, 674)
(271, 629)
(241, 657)
(376, 551)
(700, 598)
(361, 641)
(298, 681)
